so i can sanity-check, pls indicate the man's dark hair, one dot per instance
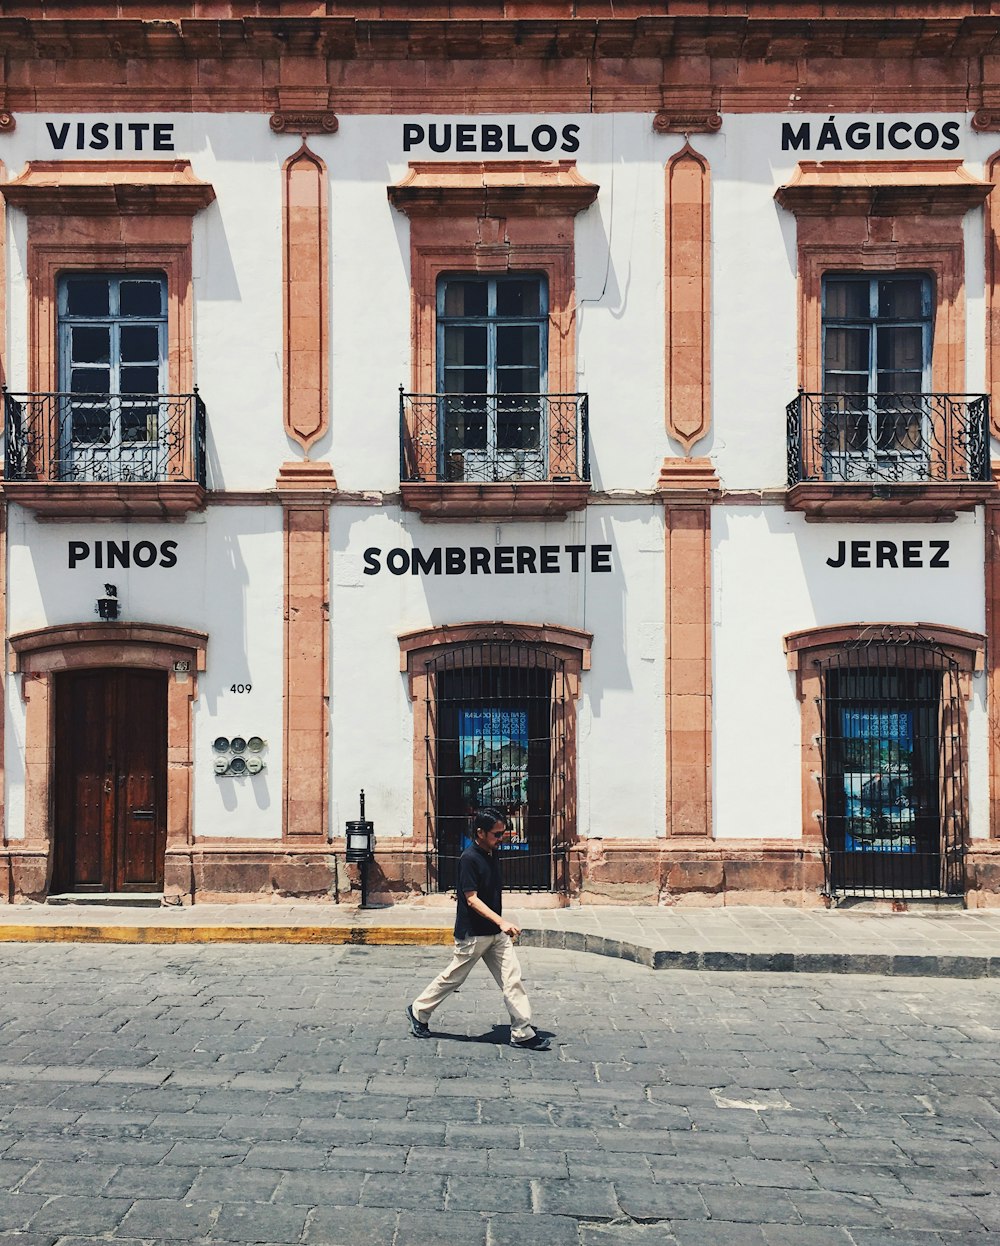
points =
(486, 819)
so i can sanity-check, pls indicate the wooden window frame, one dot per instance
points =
(572, 645)
(805, 652)
(883, 216)
(492, 218)
(108, 216)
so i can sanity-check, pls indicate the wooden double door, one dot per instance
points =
(111, 780)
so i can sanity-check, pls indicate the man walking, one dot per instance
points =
(481, 933)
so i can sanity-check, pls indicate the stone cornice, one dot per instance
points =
(495, 188)
(551, 61)
(101, 188)
(553, 33)
(881, 188)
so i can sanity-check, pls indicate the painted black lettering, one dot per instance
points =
(795, 140)
(548, 559)
(397, 561)
(525, 560)
(465, 138)
(479, 560)
(861, 553)
(454, 560)
(138, 129)
(98, 553)
(426, 564)
(926, 135)
(81, 131)
(413, 134)
(949, 136)
(440, 142)
(144, 554)
(885, 554)
(938, 558)
(859, 135)
(570, 137)
(372, 564)
(168, 554)
(544, 137)
(911, 554)
(59, 137)
(575, 552)
(512, 143)
(79, 551)
(99, 135)
(841, 555)
(901, 127)
(503, 560)
(828, 136)
(491, 138)
(163, 136)
(119, 554)
(118, 136)
(600, 558)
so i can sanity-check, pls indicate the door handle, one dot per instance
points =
(141, 813)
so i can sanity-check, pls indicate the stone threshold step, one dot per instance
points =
(122, 899)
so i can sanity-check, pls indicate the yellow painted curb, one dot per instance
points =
(376, 936)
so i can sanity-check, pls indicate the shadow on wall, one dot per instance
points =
(405, 568)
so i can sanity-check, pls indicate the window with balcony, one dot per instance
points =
(491, 350)
(876, 374)
(112, 365)
(493, 427)
(881, 425)
(109, 422)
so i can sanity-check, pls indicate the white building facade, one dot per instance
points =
(588, 417)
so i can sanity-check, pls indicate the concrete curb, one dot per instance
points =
(888, 964)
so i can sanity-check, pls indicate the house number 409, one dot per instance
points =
(240, 687)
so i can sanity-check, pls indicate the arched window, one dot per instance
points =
(884, 754)
(495, 725)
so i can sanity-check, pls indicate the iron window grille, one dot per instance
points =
(39, 427)
(488, 426)
(892, 747)
(111, 419)
(495, 735)
(876, 420)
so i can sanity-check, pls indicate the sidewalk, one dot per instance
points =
(943, 942)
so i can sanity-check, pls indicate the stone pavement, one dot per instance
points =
(229, 1095)
(944, 941)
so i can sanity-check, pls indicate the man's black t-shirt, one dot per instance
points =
(478, 871)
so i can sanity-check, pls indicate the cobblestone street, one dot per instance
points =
(272, 1094)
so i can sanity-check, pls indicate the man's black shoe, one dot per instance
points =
(417, 1028)
(534, 1043)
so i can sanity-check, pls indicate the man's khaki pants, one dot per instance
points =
(497, 951)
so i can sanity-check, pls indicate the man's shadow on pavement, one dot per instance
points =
(498, 1035)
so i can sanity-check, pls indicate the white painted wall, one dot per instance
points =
(621, 705)
(754, 293)
(769, 573)
(228, 583)
(770, 577)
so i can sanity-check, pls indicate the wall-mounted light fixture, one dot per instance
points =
(107, 606)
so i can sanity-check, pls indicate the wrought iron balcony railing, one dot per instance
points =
(888, 438)
(104, 438)
(493, 438)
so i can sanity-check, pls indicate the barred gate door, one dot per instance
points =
(495, 735)
(892, 747)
